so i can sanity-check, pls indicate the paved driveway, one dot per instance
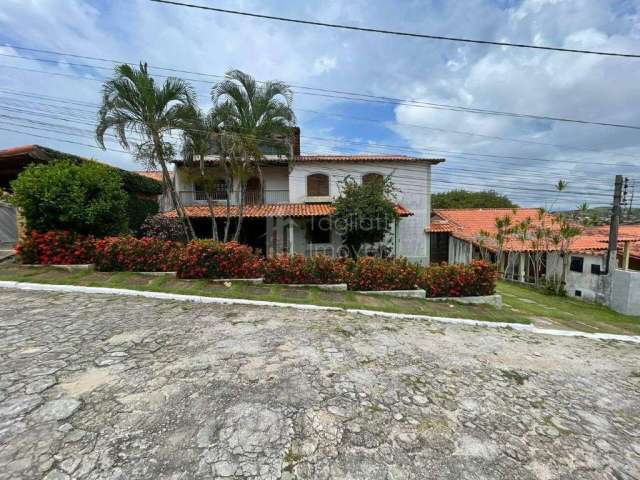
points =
(103, 387)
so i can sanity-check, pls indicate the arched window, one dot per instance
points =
(318, 185)
(371, 178)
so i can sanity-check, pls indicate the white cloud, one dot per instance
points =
(507, 79)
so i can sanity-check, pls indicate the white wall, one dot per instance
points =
(625, 292)
(591, 285)
(411, 179)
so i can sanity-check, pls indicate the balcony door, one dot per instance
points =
(253, 193)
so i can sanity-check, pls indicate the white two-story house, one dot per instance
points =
(288, 208)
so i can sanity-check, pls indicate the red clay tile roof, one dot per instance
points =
(271, 210)
(155, 175)
(342, 158)
(9, 152)
(364, 158)
(466, 224)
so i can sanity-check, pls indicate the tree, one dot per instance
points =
(364, 213)
(252, 119)
(196, 145)
(85, 198)
(467, 199)
(132, 103)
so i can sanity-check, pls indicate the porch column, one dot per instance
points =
(521, 265)
(625, 256)
(291, 236)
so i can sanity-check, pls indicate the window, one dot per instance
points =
(319, 230)
(371, 178)
(578, 293)
(577, 264)
(595, 269)
(317, 185)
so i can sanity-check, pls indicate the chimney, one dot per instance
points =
(296, 141)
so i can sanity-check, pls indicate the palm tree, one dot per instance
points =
(251, 119)
(196, 145)
(133, 103)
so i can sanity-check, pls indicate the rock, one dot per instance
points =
(56, 475)
(19, 405)
(40, 385)
(420, 399)
(58, 409)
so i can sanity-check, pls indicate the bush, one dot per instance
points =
(56, 248)
(87, 198)
(165, 228)
(115, 254)
(475, 279)
(211, 259)
(298, 269)
(372, 273)
(139, 209)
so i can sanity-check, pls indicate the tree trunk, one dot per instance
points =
(243, 189)
(177, 203)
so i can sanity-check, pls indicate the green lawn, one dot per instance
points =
(564, 312)
(522, 303)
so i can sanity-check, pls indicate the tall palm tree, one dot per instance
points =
(133, 103)
(252, 119)
(196, 145)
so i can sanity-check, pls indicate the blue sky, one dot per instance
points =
(558, 84)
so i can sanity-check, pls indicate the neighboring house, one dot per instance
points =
(287, 210)
(144, 192)
(456, 238)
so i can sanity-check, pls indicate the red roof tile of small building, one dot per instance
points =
(467, 224)
(22, 149)
(271, 210)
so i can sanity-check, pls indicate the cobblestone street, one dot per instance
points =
(101, 387)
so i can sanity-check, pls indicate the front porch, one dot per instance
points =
(302, 228)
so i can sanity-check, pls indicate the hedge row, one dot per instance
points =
(209, 259)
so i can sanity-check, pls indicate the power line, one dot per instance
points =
(445, 182)
(362, 119)
(313, 91)
(393, 32)
(308, 139)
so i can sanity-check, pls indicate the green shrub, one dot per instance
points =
(138, 210)
(298, 269)
(476, 279)
(55, 248)
(211, 259)
(84, 198)
(374, 273)
(116, 254)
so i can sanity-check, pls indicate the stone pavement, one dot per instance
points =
(100, 387)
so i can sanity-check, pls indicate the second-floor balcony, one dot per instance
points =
(251, 197)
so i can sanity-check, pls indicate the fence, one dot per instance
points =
(8, 225)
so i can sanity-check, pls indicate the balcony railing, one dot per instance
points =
(198, 197)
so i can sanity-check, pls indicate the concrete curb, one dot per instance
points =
(371, 313)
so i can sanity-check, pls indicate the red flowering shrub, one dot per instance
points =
(210, 259)
(298, 269)
(147, 254)
(475, 279)
(56, 248)
(374, 273)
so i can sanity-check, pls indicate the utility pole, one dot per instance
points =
(612, 252)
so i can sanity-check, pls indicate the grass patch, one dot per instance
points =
(572, 313)
(566, 311)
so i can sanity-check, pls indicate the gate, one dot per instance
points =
(8, 225)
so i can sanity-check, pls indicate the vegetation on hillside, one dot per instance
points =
(467, 199)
